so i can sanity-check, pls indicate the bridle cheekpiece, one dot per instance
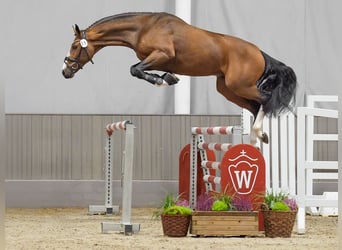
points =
(84, 45)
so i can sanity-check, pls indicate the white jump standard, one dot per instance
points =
(125, 226)
(108, 207)
(198, 144)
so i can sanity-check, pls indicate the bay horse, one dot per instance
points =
(245, 75)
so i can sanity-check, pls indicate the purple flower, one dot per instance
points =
(291, 203)
(183, 203)
(242, 203)
(204, 202)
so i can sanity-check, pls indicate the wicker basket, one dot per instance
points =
(279, 223)
(175, 225)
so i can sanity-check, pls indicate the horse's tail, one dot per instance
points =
(278, 87)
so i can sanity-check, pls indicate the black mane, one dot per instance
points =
(119, 16)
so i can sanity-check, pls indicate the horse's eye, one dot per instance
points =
(74, 46)
(74, 66)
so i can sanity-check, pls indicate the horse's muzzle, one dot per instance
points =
(67, 73)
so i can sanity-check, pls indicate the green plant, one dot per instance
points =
(222, 202)
(219, 205)
(279, 201)
(173, 205)
(169, 201)
(178, 210)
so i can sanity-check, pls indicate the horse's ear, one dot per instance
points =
(76, 30)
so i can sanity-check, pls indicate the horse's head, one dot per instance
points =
(80, 53)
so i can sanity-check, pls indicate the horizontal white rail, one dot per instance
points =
(325, 176)
(321, 164)
(312, 99)
(320, 201)
(324, 137)
(306, 111)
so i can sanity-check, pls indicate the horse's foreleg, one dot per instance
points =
(153, 61)
(137, 70)
(166, 79)
(257, 128)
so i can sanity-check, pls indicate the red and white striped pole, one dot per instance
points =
(227, 130)
(110, 128)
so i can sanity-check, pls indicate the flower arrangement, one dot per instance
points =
(279, 212)
(222, 214)
(279, 201)
(223, 202)
(175, 216)
(172, 205)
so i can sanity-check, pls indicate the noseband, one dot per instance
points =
(78, 65)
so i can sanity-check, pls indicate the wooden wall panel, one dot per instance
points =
(65, 157)
(97, 152)
(56, 148)
(71, 147)
(36, 149)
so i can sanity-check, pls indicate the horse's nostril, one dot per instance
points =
(65, 75)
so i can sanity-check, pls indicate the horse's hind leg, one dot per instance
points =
(221, 87)
(254, 107)
(257, 128)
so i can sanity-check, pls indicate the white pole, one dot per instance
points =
(340, 164)
(128, 175)
(2, 165)
(109, 177)
(182, 89)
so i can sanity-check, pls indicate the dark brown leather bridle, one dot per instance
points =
(76, 61)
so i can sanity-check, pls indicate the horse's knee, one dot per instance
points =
(136, 72)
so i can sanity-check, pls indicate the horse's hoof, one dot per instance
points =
(264, 138)
(170, 78)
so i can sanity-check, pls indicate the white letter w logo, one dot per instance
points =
(243, 178)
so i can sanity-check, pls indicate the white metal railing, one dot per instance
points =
(289, 161)
(280, 153)
(305, 157)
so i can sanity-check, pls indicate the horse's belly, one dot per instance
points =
(195, 67)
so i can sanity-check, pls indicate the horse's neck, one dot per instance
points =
(120, 33)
